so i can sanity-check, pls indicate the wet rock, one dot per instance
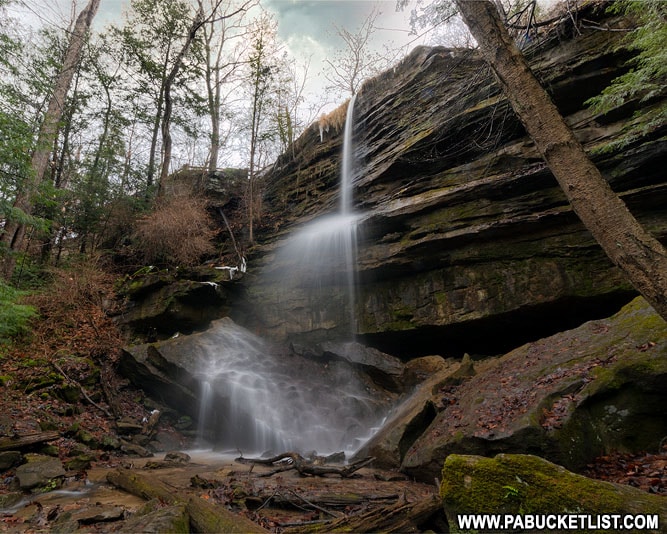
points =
(98, 514)
(177, 457)
(524, 484)
(384, 369)
(171, 459)
(9, 459)
(569, 398)
(165, 441)
(164, 303)
(135, 450)
(39, 472)
(462, 231)
(8, 500)
(412, 417)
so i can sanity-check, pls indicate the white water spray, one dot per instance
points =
(261, 401)
(347, 164)
(266, 402)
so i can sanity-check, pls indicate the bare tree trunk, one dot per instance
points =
(197, 23)
(169, 81)
(14, 232)
(154, 137)
(639, 255)
(213, 90)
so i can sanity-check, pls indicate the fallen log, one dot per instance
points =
(18, 442)
(399, 517)
(305, 467)
(204, 516)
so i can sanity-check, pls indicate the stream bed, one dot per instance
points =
(278, 502)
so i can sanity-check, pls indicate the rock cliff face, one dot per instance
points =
(463, 228)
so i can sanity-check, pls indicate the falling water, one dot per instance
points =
(266, 402)
(321, 256)
(263, 401)
(347, 164)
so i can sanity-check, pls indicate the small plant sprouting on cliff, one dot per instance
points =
(179, 232)
(649, 73)
(333, 121)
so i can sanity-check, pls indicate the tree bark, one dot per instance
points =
(168, 105)
(14, 232)
(639, 255)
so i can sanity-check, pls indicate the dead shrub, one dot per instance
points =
(179, 232)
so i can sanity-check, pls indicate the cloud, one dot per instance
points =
(318, 19)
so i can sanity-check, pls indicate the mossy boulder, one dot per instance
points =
(79, 462)
(40, 473)
(569, 398)
(9, 459)
(161, 303)
(525, 484)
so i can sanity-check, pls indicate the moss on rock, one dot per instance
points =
(525, 484)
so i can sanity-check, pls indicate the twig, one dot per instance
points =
(83, 391)
(267, 501)
(332, 514)
(303, 523)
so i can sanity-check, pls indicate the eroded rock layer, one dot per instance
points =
(463, 228)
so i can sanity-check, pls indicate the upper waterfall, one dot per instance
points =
(347, 165)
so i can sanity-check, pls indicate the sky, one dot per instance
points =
(308, 27)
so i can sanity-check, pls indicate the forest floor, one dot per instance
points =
(62, 379)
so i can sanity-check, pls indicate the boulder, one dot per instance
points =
(161, 304)
(40, 472)
(525, 485)
(384, 369)
(411, 418)
(9, 459)
(569, 398)
(98, 514)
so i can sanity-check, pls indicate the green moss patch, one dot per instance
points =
(525, 484)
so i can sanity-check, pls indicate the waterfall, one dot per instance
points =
(347, 164)
(320, 258)
(263, 401)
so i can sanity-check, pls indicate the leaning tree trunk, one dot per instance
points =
(14, 232)
(639, 255)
